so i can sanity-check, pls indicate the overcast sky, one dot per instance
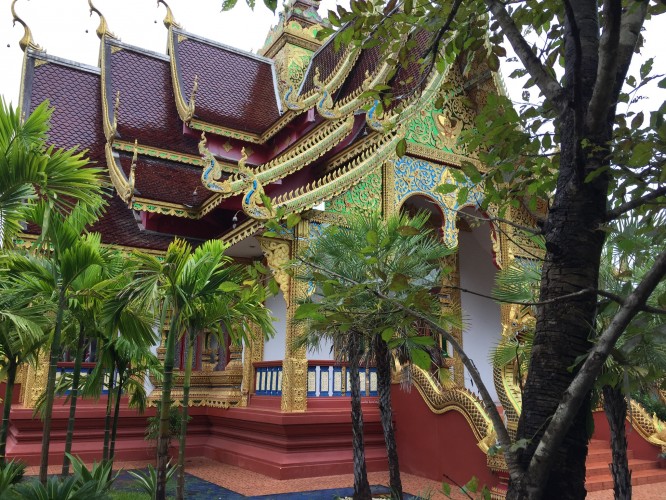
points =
(65, 29)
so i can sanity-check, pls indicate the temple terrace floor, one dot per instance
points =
(251, 484)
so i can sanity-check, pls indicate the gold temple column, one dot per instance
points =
(278, 252)
(33, 381)
(253, 351)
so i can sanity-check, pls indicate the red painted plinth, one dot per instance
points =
(260, 437)
(434, 445)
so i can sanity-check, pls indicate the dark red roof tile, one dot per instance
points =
(163, 180)
(410, 79)
(77, 121)
(147, 105)
(368, 61)
(75, 95)
(326, 59)
(236, 90)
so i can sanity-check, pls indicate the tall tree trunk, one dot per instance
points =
(165, 405)
(180, 491)
(116, 415)
(361, 484)
(6, 410)
(50, 387)
(574, 243)
(107, 417)
(615, 407)
(74, 394)
(383, 359)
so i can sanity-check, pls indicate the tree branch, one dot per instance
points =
(531, 230)
(630, 31)
(584, 291)
(622, 301)
(603, 92)
(584, 380)
(635, 203)
(546, 83)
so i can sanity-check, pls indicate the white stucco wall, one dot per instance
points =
(274, 348)
(481, 316)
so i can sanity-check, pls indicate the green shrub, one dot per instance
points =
(652, 404)
(10, 474)
(100, 473)
(70, 488)
(175, 419)
(147, 481)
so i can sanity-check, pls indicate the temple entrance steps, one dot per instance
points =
(599, 477)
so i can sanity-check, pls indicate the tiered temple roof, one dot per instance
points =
(142, 115)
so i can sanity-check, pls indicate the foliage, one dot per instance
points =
(10, 474)
(471, 489)
(147, 480)
(652, 404)
(69, 488)
(175, 419)
(348, 266)
(29, 169)
(100, 473)
(129, 495)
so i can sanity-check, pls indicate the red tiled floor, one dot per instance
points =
(252, 483)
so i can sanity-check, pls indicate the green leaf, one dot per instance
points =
(446, 489)
(399, 282)
(462, 195)
(229, 286)
(493, 62)
(273, 286)
(420, 358)
(228, 4)
(307, 310)
(271, 4)
(401, 148)
(422, 340)
(387, 334)
(293, 219)
(372, 238)
(408, 231)
(446, 188)
(472, 485)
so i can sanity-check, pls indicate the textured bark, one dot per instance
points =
(165, 405)
(54, 356)
(573, 251)
(107, 417)
(180, 491)
(383, 361)
(116, 415)
(74, 396)
(615, 407)
(361, 484)
(6, 410)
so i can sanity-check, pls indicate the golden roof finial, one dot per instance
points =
(116, 111)
(193, 95)
(132, 176)
(243, 159)
(169, 20)
(103, 28)
(26, 42)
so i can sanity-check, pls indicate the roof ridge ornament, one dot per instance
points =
(169, 20)
(131, 180)
(103, 28)
(193, 95)
(26, 42)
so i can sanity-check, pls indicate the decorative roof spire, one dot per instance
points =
(103, 28)
(169, 20)
(132, 176)
(26, 42)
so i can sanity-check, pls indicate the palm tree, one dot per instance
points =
(237, 305)
(30, 169)
(66, 253)
(183, 280)
(398, 257)
(23, 326)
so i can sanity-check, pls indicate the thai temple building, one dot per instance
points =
(192, 139)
